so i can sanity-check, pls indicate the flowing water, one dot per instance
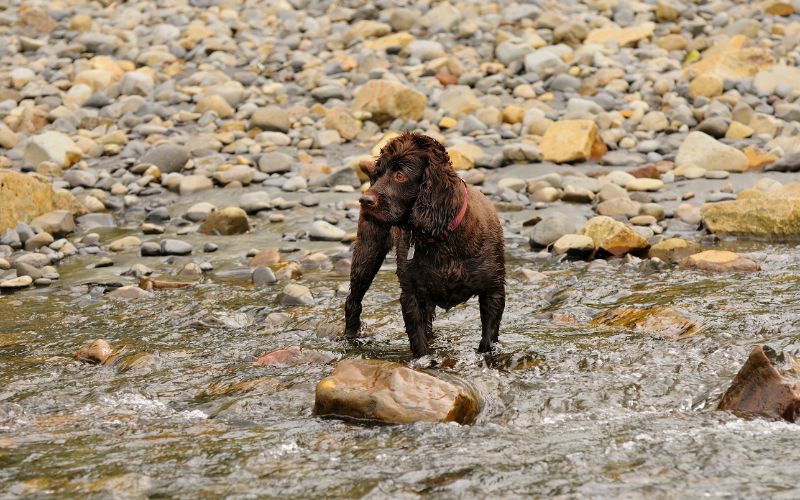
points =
(573, 410)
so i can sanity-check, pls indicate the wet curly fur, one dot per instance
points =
(414, 196)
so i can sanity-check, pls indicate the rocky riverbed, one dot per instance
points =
(180, 180)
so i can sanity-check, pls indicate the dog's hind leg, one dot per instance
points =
(373, 242)
(415, 316)
(492, 304)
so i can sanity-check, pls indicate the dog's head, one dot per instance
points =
(412, 182)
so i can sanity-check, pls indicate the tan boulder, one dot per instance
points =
(463, 156)
(387, 100)
(25, 197)
(613, 237)
(569, 140)
(706, 85)
(402, 39)
(772, 218)
(373, 390)
(662, 322)
(719, 261)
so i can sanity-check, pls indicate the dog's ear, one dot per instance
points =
(368, 167)
(434, 208)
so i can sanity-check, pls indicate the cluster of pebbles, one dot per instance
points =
(157, 130)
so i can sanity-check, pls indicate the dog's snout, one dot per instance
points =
(368, 200)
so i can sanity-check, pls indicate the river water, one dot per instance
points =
(572, 410)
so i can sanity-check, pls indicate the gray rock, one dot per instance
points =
(92, 221)
(321, 230)
(263, 276)
(200, 211)
(175, 247)
(167, 157)
(150, 249)
(296, 295)
(275, 163)
(24, 269)
(255, 202)
(271, 118)
(554, 226)
(788, 163)
(57, 222)
(80, 178)
(16, 283)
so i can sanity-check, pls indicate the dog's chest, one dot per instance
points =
(438, 278)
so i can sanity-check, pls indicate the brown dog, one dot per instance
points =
(447, 237)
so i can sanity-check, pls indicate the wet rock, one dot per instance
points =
(173, 247)
(263, 276)
(255, 202)
(57, 222)
(388, 392)
(568, 141)
(96, 353)
(199, 211)
(661, 322)
(123, 244)
(387, 100)
(294, 356)
(702, 150)
(53, 147)
(296, 295)
(167, 157)
(15, 283)
(720, 261)
(321, 230)
(767, 385)
(614, 237)
(150, 284)
(229, 220)
(24, 197)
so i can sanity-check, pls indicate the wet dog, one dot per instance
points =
(447, 238)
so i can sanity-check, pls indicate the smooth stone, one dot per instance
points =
(372, 390)
(174, 247)
(200, 211)
(57, 222)
(255, 202)
(574, 245)
(16, 283)
(227, 221)
(720, 261)
(130, 292)
(263, 276)
(167, 157)
(552, 227)
(324, 231)
(275, 163)
(296, 295)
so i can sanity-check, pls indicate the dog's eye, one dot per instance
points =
(400, 177)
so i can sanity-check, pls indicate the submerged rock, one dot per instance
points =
(98, 352)
(229, 220)
(662, 322)
(767, 385)
(368, 389)
(294, 356)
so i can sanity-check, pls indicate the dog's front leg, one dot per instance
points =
(373, 242)
(415, 319)
(492, 304)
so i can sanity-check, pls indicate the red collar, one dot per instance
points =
(461, 213)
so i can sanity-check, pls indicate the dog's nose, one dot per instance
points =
(368, 200)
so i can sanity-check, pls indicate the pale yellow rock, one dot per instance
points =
(401, 39)
(513, 114)
(767, 217)
(463, 156)
(730, 59)
(384, 140)
(341, 120)
(720, 261)
(96, 79)
(447, 122)
(706, 85)
(25, 197)
(569, 140)
(613, 236)
(623, 36)
(738, 130)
